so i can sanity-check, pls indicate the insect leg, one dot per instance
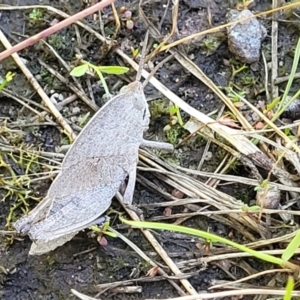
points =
(128, 195)
(157, 145)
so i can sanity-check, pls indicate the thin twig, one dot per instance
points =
(274, 52)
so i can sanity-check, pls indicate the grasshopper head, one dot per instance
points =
(135, 93)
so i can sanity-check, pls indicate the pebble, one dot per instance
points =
(269, 198)
(75, 110)
(293, 110)
(245, 38)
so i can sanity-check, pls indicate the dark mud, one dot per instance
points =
(52, 276)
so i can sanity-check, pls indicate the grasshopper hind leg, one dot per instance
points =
(158, 145)
(128, 195)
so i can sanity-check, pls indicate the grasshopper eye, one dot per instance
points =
(138, 103)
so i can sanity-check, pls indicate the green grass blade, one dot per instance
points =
(117, 70)
(289, 288)
(292, 247)
(283, 103)
(208, 236)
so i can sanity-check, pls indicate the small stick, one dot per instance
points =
(274, 56)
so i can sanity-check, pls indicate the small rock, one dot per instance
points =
(293, 110)
(56, 97)
(75, 110)
(268, 198)
(245, 38)
(208, 156)
(74, 119)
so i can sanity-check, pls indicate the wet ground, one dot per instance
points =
(82, 263)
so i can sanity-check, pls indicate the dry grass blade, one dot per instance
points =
(282, 79)
(82, 296)
(17, 99)
(232, 178)
(50, 155)
(280, 173)
(141, 253)
(288, 154)
(6, 232)
(274, 52)
(218, 286)
(58, 12)
(64, 64)
(220, 257)
(111, 285)
(193, 188)
(270, 123)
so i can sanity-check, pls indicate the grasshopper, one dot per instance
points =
(104, 154)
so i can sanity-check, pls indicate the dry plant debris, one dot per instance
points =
(250, 141)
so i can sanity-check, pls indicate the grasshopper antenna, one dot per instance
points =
(141, 64)
(156, 68)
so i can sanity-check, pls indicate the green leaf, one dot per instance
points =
(291, 137)
(83, 119)
(111, 234)
(173, 109)
(292, 247)
(135, 52)
(117, 70)
(253, 208)
(95, 228)
(273, 104)
(105, 226)
(9, 76)
(79, 71)
(287, 131)
(102, 79)
(289, 288)
(264, 183)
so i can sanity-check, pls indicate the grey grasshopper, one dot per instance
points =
(104, 154)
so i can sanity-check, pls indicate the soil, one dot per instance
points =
(83, 263)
